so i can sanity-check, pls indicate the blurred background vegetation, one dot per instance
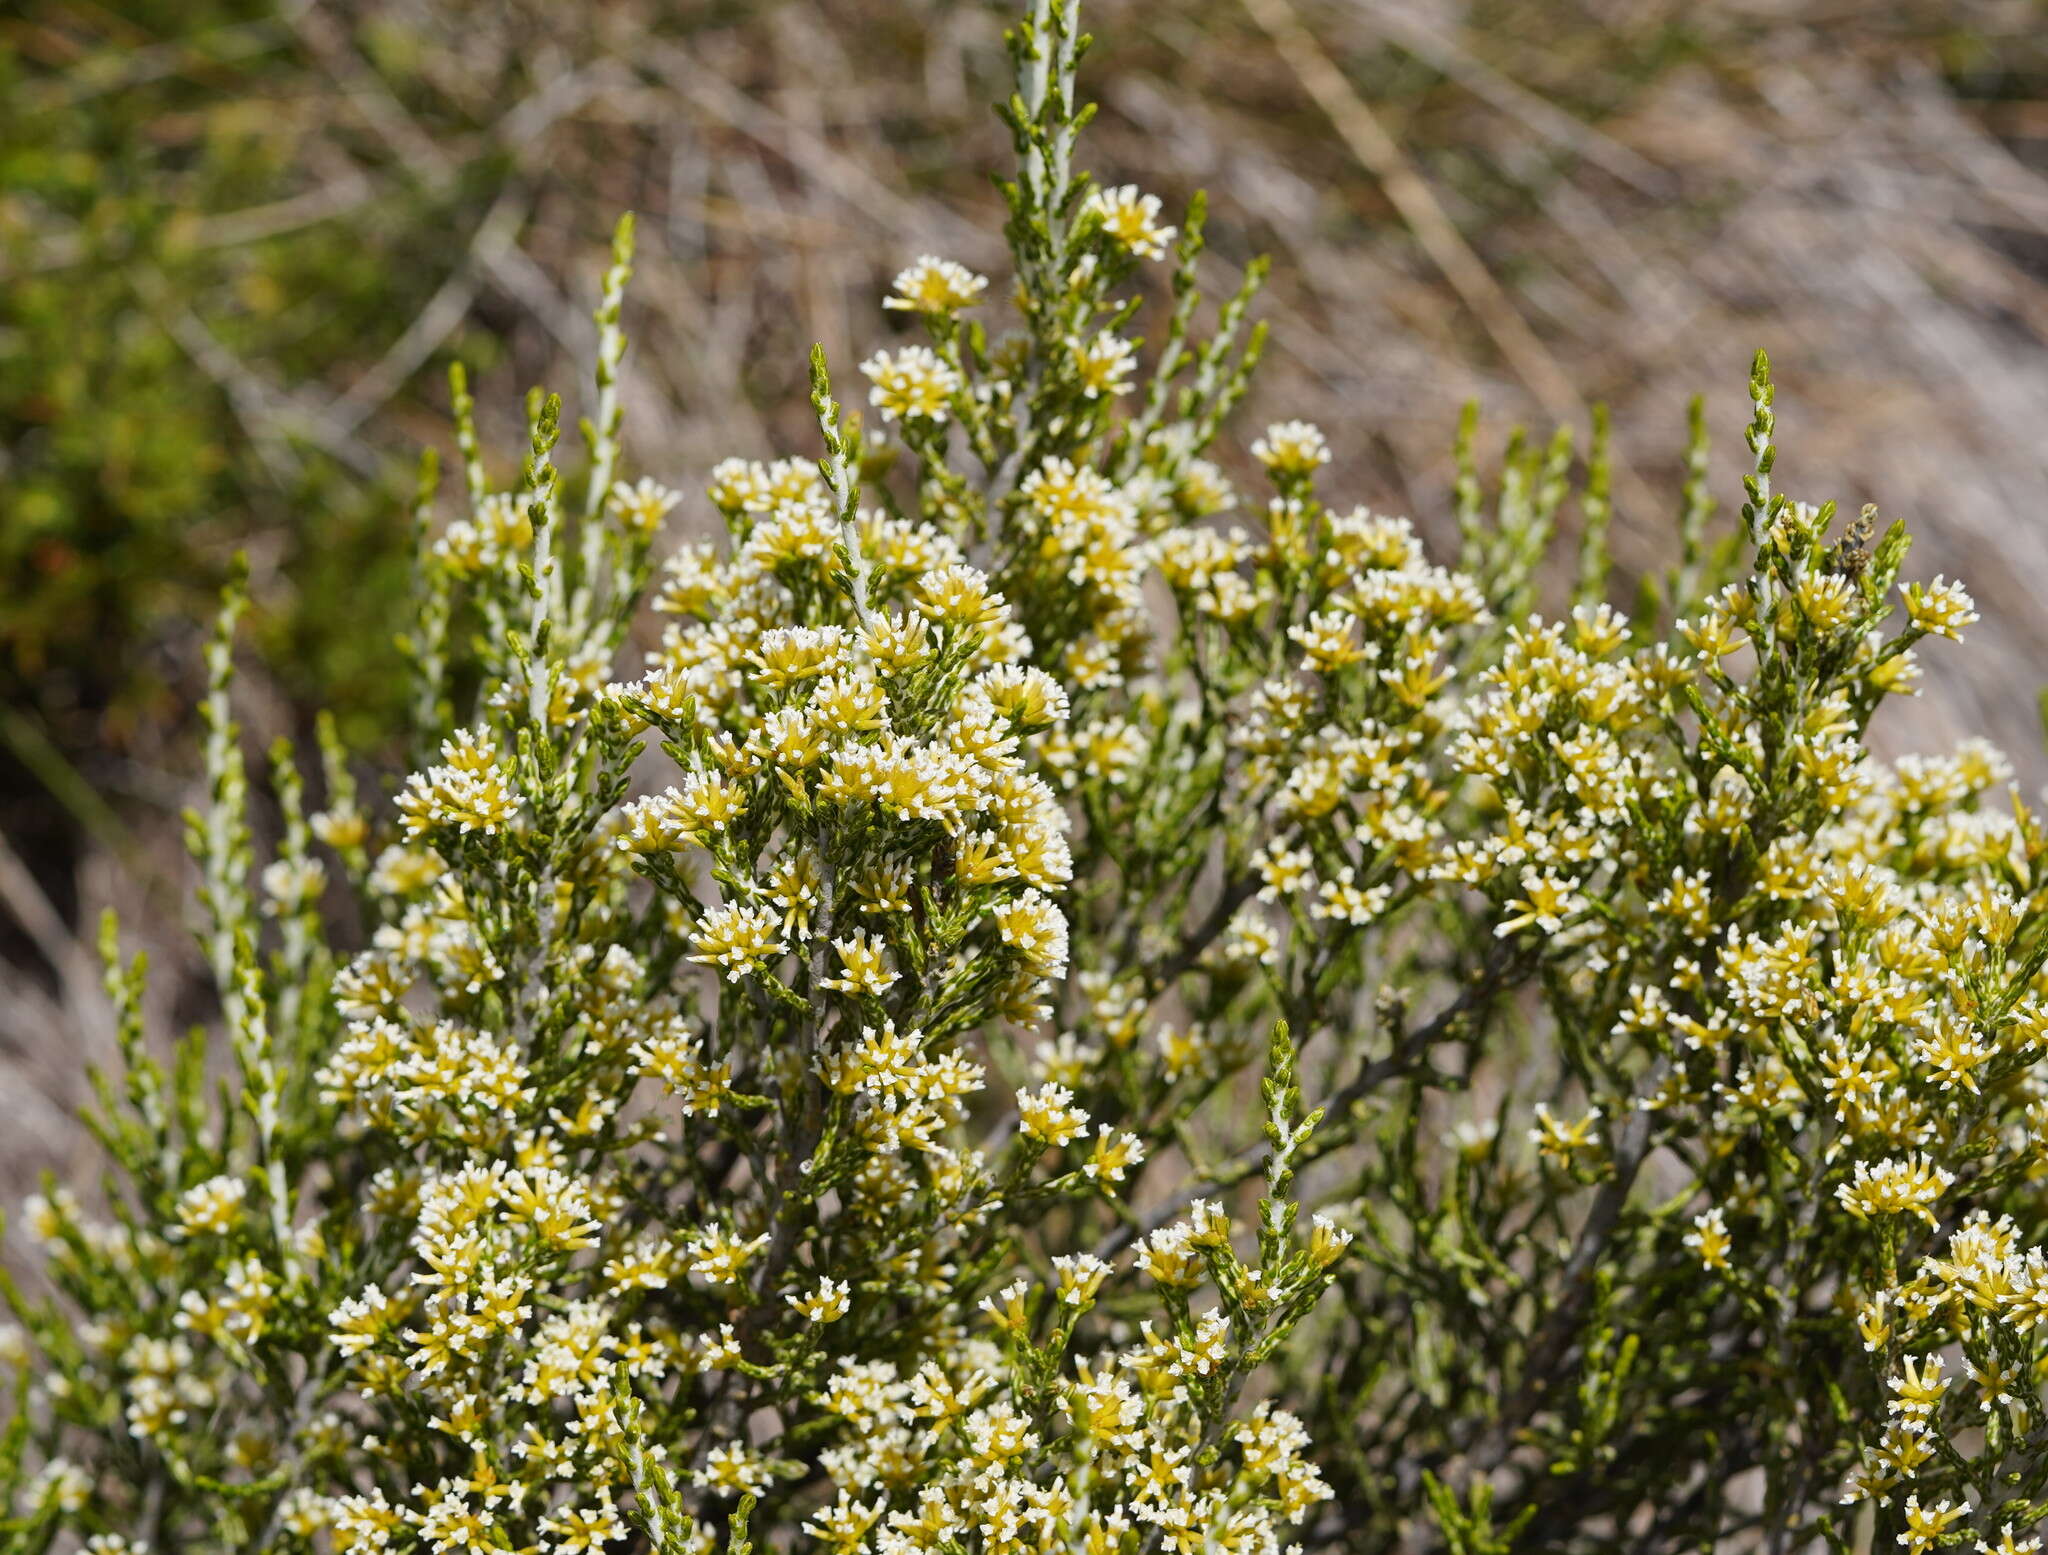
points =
(241, 242)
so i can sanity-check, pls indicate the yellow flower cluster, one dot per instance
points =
(797, 1081)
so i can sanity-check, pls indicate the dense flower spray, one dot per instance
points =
(841, 1069)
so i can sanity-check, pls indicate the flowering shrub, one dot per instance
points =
(801, 1097)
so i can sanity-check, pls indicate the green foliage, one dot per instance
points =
(804, 1095)
(141, 446)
